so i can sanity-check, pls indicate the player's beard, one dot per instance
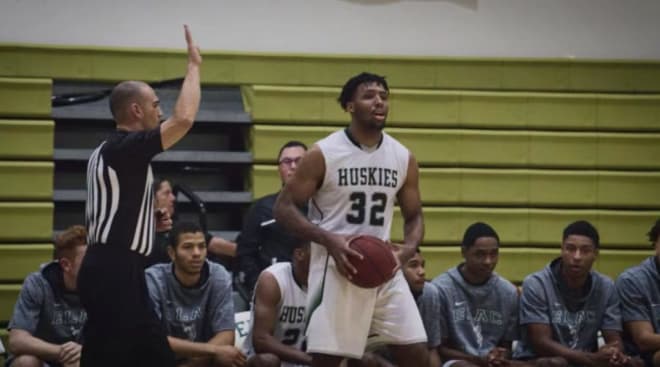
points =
(373, 124)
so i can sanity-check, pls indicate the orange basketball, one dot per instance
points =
(378, 265)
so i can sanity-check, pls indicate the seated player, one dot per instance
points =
(478, 308)
(639, 291)
(48, 317)
(426, 297)
(193, 299)
(564, 306)
(165, 203)
(278, 312)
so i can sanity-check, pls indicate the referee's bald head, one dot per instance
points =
(123, 94)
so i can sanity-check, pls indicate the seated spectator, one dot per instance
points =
(262, 241)
(48, 317)
(426, 296)
(193, 299)
(639, 291)
(165, 204)
(278, 314)
(564, 306)
(478, 308)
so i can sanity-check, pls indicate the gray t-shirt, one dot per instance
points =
(198, 313)
(476, 318)
(46, 310)
(543, 303)
(429, 309)
(639, 292)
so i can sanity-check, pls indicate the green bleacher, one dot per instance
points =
(527, 145)
(26, 174)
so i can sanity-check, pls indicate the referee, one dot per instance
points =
(122, 328)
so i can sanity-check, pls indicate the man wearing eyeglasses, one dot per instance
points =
(262, 241)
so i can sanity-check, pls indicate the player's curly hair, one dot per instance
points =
(348, 91)
(68, 240)
(654, 232)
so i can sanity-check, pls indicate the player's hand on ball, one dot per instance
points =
(340, 251)
(194, 55)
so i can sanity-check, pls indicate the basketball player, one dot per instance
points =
(563, 307)
(428, 304)
(352, 178)
(639, 290)
(192, 297)
(122, 328)
(45, 328)
(278, 313)
(478, 308)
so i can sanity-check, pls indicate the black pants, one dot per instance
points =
(122, 328)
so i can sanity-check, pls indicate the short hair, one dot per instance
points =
(155, 186)
(654, 232)
(68, 240)
(348, 91)
(122, 94)
(291, 144)
(476, 231)
(181, 228)
(582, 228)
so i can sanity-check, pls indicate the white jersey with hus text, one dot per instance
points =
(357, 197)
(290, 323)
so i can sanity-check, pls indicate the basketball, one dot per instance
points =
(378, 265)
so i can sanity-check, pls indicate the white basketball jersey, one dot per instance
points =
(290, 323)
(360, 186)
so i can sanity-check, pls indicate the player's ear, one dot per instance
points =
(136, 110)
(350, 107)
(65, 264)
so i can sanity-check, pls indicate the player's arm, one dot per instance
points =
(267, 296)
(411, 210)
(636, 314)
(540, 336)
(187, 105)
(643, 335)
(227, 355)
(296, 193)
(22, 342)
(448, 353)
(434, 358)
(222, 247)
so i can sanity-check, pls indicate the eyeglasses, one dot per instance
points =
(290, 161)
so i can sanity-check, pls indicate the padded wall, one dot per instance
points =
(525, 144)
(26, 192)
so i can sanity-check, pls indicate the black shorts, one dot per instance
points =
(122, 328)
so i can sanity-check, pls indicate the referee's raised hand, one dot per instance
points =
(194, 55)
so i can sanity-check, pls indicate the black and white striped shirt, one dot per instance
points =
(120, 209)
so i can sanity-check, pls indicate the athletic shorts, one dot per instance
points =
(341, 316)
